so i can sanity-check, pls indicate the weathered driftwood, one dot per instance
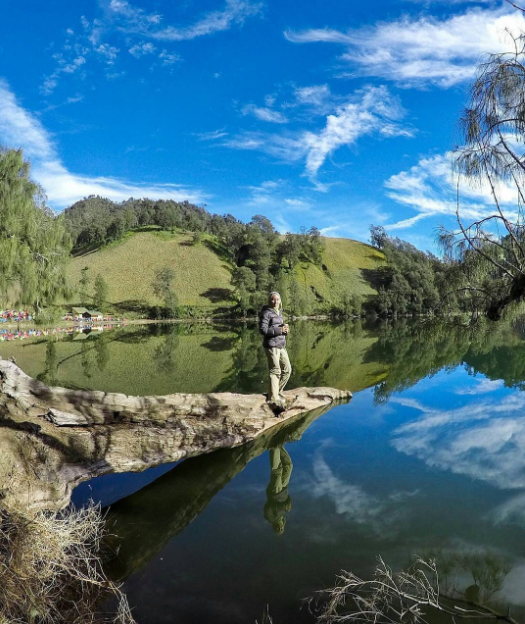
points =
(51, 439)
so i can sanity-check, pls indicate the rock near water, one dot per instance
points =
(53, 438)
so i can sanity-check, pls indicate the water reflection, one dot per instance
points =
(278, 501)
(142, 524)
(432, 455)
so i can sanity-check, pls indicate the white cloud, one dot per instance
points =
(425, 50)
(168, 59)
(353, 502)
(136, 20)
(297, 203)
(369, 111)
(483, 386)
(317, 96)
(265, 193)
(214, 135)
(264, 114)
(142, 49)
(21, 129)
(431, 186)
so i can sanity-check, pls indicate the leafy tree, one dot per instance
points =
(100, 292)
(244, 281)
(162, 289)
(34, 245)
(84, 281)
(378, 236)
(196, 238)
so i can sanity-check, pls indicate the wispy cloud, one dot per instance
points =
(265, 114)
(369, 111)
(431, 188)
(21, 129)
(353, 502)
(425, 50)
(133, 19)
(142, 49)
(214, 135)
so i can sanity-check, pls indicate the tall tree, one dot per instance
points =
(162, 287)
(83, 286)
(34, 245)
(493, 159)
(100, 292)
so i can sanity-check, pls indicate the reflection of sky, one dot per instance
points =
(482, 436)
(440, 466)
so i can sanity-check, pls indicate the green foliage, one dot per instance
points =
(196, 238)
(34, 245)
(83, 286)
(162, 287)
(100, 292)
(378, 236)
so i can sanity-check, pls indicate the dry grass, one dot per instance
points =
(50, 570)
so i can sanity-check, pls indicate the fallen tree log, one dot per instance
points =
(52, 439)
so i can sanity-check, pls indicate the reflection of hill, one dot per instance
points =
(140, 361)
(142, 524)
(321, 354)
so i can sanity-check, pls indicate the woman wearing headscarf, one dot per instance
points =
(275, 330)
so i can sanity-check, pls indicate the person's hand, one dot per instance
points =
(286, 329)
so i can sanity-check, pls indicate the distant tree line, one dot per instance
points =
(414, 282)
(262, 258)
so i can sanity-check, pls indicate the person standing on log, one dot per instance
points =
(275, 330)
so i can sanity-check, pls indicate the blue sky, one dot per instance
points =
(337, 114)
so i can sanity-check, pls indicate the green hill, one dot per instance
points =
(202, 277)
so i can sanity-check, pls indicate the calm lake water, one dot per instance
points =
(428, 458)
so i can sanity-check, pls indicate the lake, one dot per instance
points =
(427, 459)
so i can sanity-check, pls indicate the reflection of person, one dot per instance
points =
(278, 501)
(274, 330)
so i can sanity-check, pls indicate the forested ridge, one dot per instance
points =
(254, 258)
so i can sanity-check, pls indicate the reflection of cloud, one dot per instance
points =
(483, 387)
(352, 501)
(512, 510)
(484, 440)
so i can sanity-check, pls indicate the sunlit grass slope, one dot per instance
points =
(345, 269)
(202, 278)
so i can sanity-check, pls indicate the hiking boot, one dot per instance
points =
(278, 408)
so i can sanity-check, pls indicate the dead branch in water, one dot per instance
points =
(391, 598)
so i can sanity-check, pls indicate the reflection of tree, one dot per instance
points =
(88, 358)
(414, 350)
(476, 575)
(165, 356)
(49, 375)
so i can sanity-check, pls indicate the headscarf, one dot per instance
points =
(274, 292)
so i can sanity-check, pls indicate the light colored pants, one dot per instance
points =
(281, 468)
(280, 371)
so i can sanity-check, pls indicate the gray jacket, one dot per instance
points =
(269, 322)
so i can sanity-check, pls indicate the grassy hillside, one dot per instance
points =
(346, 266)
(202, 278)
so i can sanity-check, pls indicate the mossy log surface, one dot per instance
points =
(52, 439)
